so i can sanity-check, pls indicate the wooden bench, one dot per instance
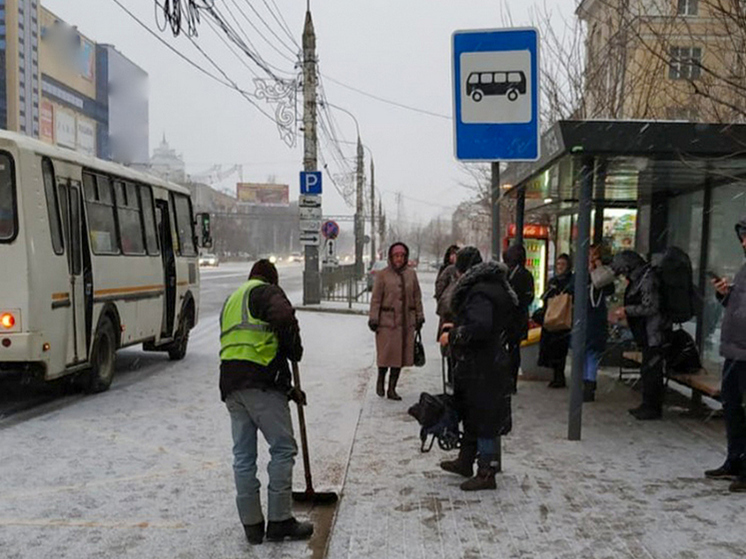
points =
(702, 383)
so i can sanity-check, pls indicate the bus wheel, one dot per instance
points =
(476, 96)
(178, 348)
(100, 375)
(512, 95)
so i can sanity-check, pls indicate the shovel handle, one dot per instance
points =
(303, 436)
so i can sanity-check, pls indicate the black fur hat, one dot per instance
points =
(467, 257)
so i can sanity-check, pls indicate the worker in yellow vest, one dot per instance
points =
(258, 335)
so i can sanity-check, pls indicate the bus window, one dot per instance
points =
(501, 77)
(53, 205)
(485, 78)
(130, 221)
(101, 221)
(516, 78)
(148, 218)
(474, 78)
(8, 221)
(184, 225)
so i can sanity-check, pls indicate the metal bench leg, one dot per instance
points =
(696, 402)
(499, 454)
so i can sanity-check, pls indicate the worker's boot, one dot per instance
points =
(254, 533)
(380, 383)
(393, 379)
(289, 529)
(558, 381)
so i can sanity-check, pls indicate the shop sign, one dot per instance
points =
(65, 129)
(46, 122)
(530, 231)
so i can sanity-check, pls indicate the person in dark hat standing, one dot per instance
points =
(522, 283)
(483, 303)
(258, 335)
(395, 315)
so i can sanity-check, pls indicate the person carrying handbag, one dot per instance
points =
(600, 286)
(395, 316)
(555, 343)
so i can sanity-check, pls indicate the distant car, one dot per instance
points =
(296, 257)
(371, 275)
(273, 259)
(209, 260)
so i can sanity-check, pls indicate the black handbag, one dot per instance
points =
(419, 350)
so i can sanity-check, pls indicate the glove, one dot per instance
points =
(373, 326)
(444, 339)
(297, 396)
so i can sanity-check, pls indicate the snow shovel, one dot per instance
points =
(309, 495)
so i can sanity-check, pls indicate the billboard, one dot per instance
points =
(86, 136)
(65, 129)
(263, 194)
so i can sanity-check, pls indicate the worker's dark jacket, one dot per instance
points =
(269, 304)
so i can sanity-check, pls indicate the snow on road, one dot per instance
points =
(144, 470)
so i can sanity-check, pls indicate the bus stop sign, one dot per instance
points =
(496, 95)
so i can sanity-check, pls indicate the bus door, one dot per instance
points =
(70, 206)
(165, 233)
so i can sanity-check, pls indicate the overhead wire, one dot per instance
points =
(271, 30)
(261, 35)
(280, 19)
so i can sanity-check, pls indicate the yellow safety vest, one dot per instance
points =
(243, 337)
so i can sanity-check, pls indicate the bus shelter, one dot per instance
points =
(638, 185)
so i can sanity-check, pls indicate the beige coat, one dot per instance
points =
(393, 293)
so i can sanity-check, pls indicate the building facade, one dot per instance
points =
(51, 89)
(664, 59)
(168, 164)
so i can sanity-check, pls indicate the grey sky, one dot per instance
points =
(396, 49)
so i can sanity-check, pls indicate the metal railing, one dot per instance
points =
(344, 284)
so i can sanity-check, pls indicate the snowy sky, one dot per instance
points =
(395, 49)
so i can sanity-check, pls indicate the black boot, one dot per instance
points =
(729, 470)
(646, 413)
(485, 479)
(380, 390)
(254, 533)
(559, 378)
(589, 391)
(393, 379)
(289, 529)
(464, 464)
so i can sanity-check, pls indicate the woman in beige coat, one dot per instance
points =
(395, 314)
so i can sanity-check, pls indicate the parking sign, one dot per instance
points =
(310, 182)
(496, 95)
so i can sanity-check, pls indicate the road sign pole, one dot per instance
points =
(495, 191)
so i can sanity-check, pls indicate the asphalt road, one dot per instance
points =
(20, 399)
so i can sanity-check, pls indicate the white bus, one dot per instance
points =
(93, 257)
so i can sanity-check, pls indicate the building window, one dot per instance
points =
(686, 63)
(688, 7)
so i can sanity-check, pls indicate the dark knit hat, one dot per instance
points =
(467, 257)
(515, 256)
(264, 269)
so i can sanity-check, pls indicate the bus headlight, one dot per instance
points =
(7, 320)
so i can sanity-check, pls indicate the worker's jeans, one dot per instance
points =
(254, 410)
(732, 394)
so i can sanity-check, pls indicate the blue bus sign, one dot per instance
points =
(310, 182)
(496, 95)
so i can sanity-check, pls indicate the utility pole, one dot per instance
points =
(359, 218)
(381, 224)
(311, 277)
(372, 212)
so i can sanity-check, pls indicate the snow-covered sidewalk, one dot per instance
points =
(628, 489)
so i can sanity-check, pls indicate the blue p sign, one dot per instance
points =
(310, 182)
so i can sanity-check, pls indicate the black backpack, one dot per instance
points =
(678, 295)
(682, 354)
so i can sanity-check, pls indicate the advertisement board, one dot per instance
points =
(86, 137)
(46, 122)
(263, 194)
(65, 129)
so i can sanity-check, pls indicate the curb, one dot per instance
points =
(353, 312)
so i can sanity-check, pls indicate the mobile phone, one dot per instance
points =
(712, 275)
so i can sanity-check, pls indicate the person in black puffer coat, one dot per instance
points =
(482, 304)
(522, 283)
(733, 349)
(651, 330)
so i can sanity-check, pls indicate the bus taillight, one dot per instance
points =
(7, 320)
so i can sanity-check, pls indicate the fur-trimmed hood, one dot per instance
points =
(486, 272)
